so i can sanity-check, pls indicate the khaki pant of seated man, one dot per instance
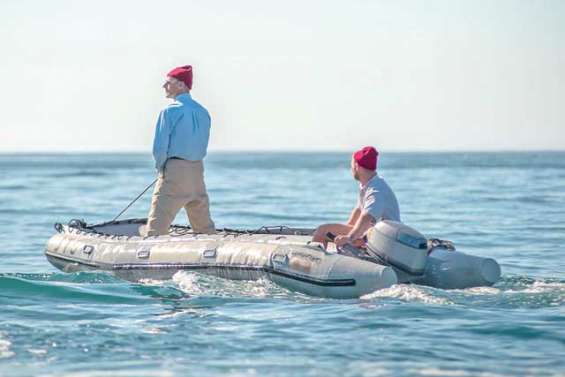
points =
(181, 184)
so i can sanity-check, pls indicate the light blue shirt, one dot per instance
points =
(378, 199)
(183, 130)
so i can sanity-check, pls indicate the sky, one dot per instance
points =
(435, 75)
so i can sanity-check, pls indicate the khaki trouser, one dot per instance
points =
(181, 184)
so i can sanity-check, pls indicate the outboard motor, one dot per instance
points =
(451, 269)
(403, 248)
(439, 265)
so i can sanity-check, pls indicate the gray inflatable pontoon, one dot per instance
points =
(283, 255)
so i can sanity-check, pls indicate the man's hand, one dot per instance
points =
(359, 242)
(342, 240)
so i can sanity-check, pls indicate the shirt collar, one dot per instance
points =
(183, 97)
(363, 187)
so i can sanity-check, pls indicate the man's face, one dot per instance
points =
(354, 169)
(172, 87)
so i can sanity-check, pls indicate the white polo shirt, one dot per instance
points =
(378, 200)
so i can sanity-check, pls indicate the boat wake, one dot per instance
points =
(511, 292)
(195, 284)
(410, 293)
(95, 287)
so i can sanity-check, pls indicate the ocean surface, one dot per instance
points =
(509, 206)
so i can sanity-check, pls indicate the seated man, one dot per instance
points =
(376, 202)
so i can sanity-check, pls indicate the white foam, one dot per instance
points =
(187, 282)
(187, 311)
(152, 330)
(407, 293)
(37, 351)
(198, 284)
(543, 286)
(114, 373)
(453, 373)
(5, 348)
(151, 282)
(370, 368)
(259, 288)
(482, 291)
(441, 372)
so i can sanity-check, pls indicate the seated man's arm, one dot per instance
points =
(354, 216)
(364, 222)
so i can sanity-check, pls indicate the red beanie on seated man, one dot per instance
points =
(367, 158)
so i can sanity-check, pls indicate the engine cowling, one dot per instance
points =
(399, 245)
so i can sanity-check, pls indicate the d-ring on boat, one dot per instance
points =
(395, 253)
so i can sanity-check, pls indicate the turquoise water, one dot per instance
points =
(510, 206)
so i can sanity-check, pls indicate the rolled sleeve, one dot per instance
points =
(372, 205)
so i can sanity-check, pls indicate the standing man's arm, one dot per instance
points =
(161, 141)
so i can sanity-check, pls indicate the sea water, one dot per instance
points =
(509, 206)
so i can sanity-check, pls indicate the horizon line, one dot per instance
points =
(148, 152)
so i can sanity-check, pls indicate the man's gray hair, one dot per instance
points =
(179, 83)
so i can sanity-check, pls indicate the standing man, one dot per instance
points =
(181, 141)
(376, 202)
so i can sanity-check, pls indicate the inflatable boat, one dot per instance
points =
(395, 253)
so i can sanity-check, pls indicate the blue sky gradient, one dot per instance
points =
(293, 75)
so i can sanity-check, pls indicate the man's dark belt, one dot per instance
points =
(175, 158)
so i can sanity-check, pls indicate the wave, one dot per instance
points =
(81, 174)
(84, 287)
(411, 293)
(511, 292)
(272, 217)
(446, 372)
(519, 199)
(196, 284)
(5, 345)
(78, 277)
(514, 292)
(13, 187)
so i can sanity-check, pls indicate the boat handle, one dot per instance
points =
(280, 258)
(143, 253)
(87, 249)
(211, 253)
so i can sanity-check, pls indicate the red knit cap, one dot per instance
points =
(183, 74)
(367, 158)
